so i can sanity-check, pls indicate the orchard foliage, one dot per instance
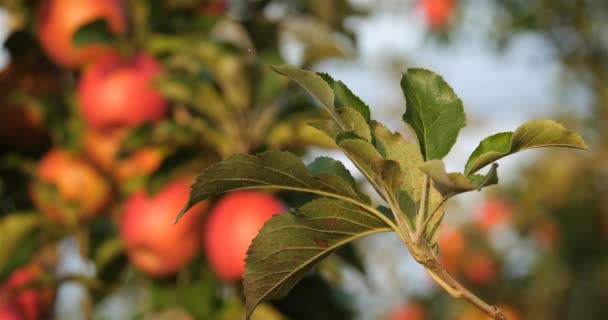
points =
(407, 174)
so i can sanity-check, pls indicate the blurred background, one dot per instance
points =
(109, 109)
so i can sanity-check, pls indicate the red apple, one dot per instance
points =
(16, 298)
(117, 92)
(81, 191)
(452, 244)
(9, 312)
(233, 223)
(492, 213)
(153, 243)
(58, 20)
(101, 148)
(412, 311)
(479, 268)
(437, 12)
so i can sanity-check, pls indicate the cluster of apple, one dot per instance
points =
(115, 93)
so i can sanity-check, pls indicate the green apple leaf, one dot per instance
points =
(532, 134)
(451, 184)
(351, 116)
(351, 121)
(270, 170)
(433, 111)
(346, 98)
(393, 146)
(383, 174)
(329, 165)
(96, 32)
(313, 83)
(289, 245)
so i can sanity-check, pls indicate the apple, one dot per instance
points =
(16, 299)
(117, 92)
(9, 312)
(452, 244)
(153, 243)
(101, 148)
(232, 224)
(80, 190)
(437, 12)
(492, 213)
(413, 311)
(479, 268)
(546, 234)
(58, 20)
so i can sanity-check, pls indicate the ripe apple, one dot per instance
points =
(80, 190)
(412, 311)
(479, 268)
(452, 243)
(492, 213)
(58, 20)
(17, 299)
(233, 223)
(101, 148)
(437, 12)
(153, 243)
(117, 92)
(9, 312)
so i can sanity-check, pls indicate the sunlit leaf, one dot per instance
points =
(532, 134)
(433, 111)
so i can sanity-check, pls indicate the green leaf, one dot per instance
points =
(383, 174)
(289, 245)
(532, 134)
(14, 228)
(270, 169)
(354, 118)
(96, 32)
(433, 111)
(346, 98)
(313, 83)
(394, 146)
(451, 184)
(329, 165)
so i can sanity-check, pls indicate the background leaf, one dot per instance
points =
(433, 111)
(96, 32)
(289, 245)
(532, 134)
(13, 229)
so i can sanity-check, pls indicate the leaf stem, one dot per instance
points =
(424, 201)
(429, 218)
